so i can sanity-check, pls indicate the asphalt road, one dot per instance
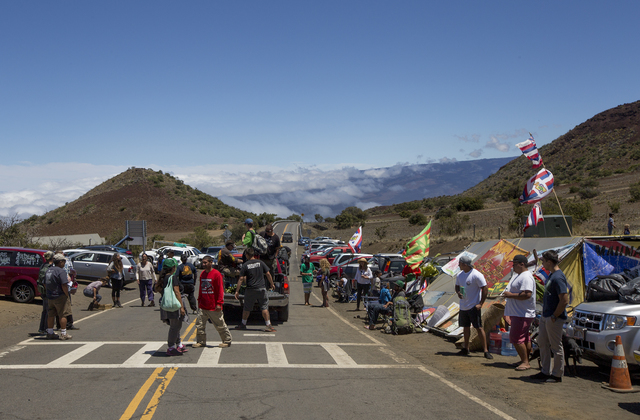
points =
(317, 365)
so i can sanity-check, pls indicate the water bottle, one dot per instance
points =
(507, 347)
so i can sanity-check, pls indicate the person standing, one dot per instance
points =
(306, 271)
(273, 245)
(57, 280)
(363, 279)
(146, 276)
(521, 309)
(610, 224)
(187, 274)
(210, 302)
(254, 272)
(471, 288)
(116, 274)
(42, 289)
(325, 269)
(247, 239)
(172, 318)
(554, 304)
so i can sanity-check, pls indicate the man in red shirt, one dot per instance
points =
(210, 301)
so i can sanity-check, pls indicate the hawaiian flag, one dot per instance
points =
(528, 147)
(417, 248)
(538, 187)
(534, 217)
(355, 243)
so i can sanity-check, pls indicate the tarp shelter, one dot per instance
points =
(578, 256)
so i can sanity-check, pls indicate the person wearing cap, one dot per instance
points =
(56, 280)
(306, 271)
(247, 238)
(521, 309)
(187, 275)
(554, 304)
(42, 289)
(385, 303)
(363, 279)
(471, 288)
(173, 318)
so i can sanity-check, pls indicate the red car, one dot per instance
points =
(336, 269)
(330, 254)
(19, 269)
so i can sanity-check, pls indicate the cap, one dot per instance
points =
(59, 257)
(520, 259)
(170, 263)
(48, 255)
(465, 259)
(400, 284)
(248, 221)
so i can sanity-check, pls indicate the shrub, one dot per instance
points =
(469, 203)
(634, 191)
(614, 206)
(580, 210)
(418, 219)
(445, 212)
(381, 232)
(404, 214)
(588, 193)
(453, 225)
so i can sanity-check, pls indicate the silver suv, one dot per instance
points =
(595, 325)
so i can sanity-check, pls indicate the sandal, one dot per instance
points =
(523, 368)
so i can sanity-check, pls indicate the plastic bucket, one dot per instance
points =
(495, 342)
(507, 347)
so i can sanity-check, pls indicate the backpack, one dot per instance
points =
(42, 288)
(259, 244)
(401, 317)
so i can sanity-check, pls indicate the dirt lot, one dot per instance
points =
(576, 397)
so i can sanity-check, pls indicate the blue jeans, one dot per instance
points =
(374, 310)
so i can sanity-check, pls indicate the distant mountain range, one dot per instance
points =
(379, 187)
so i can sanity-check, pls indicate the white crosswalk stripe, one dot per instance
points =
(276, 356)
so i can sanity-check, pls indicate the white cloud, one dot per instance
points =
(494, 143)
(476, 153)
(447, 160)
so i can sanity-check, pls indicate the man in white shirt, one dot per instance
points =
(521, 309)
(471, 288)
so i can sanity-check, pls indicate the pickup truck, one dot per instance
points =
(194, 256)
(278, 298)
(595, 325)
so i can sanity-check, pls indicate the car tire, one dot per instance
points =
(283, 314)
(23, 292)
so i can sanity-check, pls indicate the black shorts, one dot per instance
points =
(471, 317)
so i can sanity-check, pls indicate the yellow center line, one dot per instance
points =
(155, 400)
(153, 404)
(131, 409)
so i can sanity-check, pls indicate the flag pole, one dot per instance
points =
(561, 212)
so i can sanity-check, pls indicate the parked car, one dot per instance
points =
(194, 256)
(303, 241)
(111, 248)
(330, 254)
(92, 265)
(212, 251)
(341, 261)
(595, 325)
(19, 269)
(287, 237)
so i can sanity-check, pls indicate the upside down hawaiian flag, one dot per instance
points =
(417, 248)
(538, 187)
(530, 150)
(355, 243)
(534, 217)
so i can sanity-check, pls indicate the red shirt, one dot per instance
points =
(211, 290)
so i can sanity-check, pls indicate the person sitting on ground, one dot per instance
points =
(341, 290)
(627, 230)
(93, 291)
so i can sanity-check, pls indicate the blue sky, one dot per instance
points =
(213, 91)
